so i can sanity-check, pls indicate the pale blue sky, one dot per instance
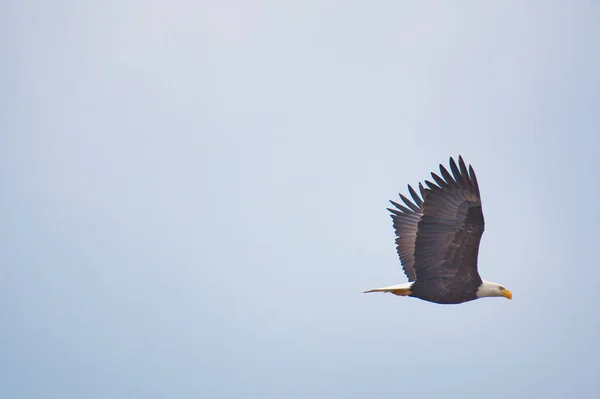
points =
(194, 194)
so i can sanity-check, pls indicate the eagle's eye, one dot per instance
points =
(501, 288)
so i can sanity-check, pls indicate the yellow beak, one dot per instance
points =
(506, 293)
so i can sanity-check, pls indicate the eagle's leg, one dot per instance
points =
(401, 292)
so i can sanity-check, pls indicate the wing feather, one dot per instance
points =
(438, 232)
(401, 207)
(406, 222)
(455, 170)
(447, 176)
(408, 202)
(464, 174)
(440, 182)
(431, 186)
(415, 197)
(450, 226)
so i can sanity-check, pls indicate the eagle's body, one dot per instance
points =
(438, 239)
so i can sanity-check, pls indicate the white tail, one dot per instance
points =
(398, 289)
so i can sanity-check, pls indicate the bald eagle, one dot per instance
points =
(438, 235)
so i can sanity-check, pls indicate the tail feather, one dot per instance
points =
(398, 289)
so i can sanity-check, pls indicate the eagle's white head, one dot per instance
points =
(487, 288)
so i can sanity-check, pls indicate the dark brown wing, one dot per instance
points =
(406, 222)
(450, 229)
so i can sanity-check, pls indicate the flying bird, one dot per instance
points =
(438, 235)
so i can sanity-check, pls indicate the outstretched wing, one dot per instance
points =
(406, 222)
(450, 229)
(439, 235)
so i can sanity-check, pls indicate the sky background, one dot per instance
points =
(194, 193)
